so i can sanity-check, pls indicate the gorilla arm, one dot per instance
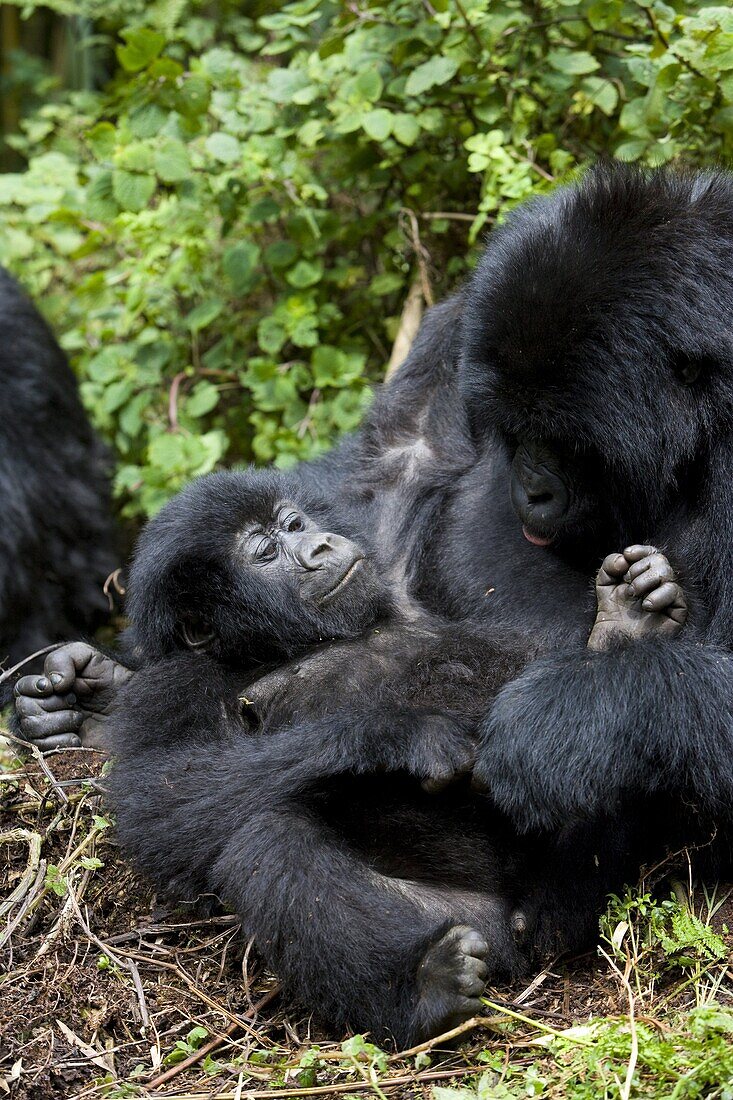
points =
(243, 822)
(636, 713)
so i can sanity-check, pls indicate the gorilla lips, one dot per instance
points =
(537, 540)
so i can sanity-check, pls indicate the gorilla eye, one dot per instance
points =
(294, 523)
(196, 634)
(266, 550)
(689, 368)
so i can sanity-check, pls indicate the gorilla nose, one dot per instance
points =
(544, 500)
(314, 551)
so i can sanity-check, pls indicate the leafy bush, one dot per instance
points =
(226, 234)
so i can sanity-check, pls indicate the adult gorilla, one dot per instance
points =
(598, 354)
(57, 542)
(592, 354)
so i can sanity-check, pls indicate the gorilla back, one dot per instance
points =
(56, 536)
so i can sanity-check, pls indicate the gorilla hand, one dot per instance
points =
(68, 706)
(638, 596)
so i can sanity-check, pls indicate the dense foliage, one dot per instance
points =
(226, 233)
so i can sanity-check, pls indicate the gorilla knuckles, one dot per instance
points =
(233, 567)
(597, 341)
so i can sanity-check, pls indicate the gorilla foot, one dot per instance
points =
(451, 979)
(638, 597)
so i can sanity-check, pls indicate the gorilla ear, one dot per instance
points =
(197, 634)
(688, 368)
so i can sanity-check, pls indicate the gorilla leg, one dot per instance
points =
(370, 951)
(241, 820)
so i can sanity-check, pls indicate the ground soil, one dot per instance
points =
(102, 984)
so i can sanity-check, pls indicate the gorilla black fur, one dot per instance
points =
(575, 398)
(376, 904)
(56, 540)
(599, 326)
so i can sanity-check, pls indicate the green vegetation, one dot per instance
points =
(226, 233)
(224, 218)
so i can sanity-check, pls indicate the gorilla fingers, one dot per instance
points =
(69, 705)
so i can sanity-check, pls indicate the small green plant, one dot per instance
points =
(185, 1047)
(659, 935)
(369, 1060)
(55, 881)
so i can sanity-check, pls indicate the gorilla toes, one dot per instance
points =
(638, 596)
(451, 979)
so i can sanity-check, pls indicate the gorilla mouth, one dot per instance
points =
(537, 540)
(343, 581)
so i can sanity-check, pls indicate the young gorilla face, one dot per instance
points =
(236, 566)
(599, 343)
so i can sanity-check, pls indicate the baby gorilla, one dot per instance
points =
(289, 712)
(295, 789)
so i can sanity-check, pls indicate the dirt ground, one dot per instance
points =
(105, 992)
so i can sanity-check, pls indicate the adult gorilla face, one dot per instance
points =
(598, 337)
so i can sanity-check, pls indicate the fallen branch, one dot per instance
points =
(28, 746)
(212, 1044)
(410, 319)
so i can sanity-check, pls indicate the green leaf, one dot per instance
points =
(271, 335)
(132, 190)
(202, 316)
(305, 273)
(572, 62)
(55, 881)
(369, 84)
(138, 156)
(280, 253)
(603, 93)
(438, 70)
(166, 452)
(631, 150)
(223, 147)
(264, 210)
(141, 47)
(117, 394)
(406, 129)
(102, 140)
(146, 121)
(239, 265)
(203, 398)
(172, 163)
(386, 283)
(333, 367)
(378, 123)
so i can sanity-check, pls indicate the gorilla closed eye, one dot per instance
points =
(293, 522)
(196, 634)
(688, 368)
(266, 550)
